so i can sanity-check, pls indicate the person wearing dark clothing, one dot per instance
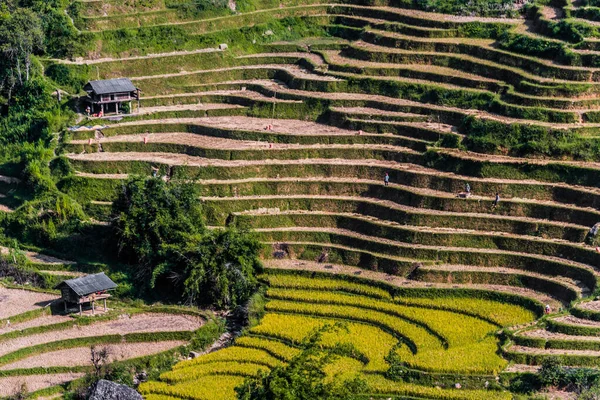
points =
(386, 179)
(496, 201)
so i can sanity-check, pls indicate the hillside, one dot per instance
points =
(288, 115)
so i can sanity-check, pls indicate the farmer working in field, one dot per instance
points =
(496, 201)
(386, 179)
(468, 188)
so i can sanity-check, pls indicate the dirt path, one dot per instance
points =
(11, 386)
(81, 356)
(288, 264)
(135, 324)
(17, 301)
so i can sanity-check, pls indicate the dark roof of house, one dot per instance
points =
(120, 85)
(89, 284)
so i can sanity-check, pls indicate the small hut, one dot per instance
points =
(87, 289)
(106, 96)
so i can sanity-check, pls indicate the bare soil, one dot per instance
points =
(134, 324)
(209, 142)
(534, 350)
(572, 320)
(81, 356)
(11, 385)
(18, 301)
(590, 305)
(286, 126)
(180, 107)
(41, 321)
(541, 333)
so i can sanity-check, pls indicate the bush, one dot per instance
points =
(551, 373)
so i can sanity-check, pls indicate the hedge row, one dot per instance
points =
(409, 132)
(504, 58)
(400, 155)
(543, 343)
(585, 313)
(364, 259)
(572, 329)
(435, 293)
(450, 184)
(441, 239)
(321, 239)
(558, 290)
(219, 211)
(398, 194)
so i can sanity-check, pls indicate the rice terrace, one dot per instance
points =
(299, 199)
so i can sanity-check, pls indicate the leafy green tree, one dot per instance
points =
(152, 217)
(21, 35)
(304, 377)
(221, 268)
(160, 231)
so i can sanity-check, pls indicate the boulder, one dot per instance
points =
(107, 390)
(223, 46)
(593, 236)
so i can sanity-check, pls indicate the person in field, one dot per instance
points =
(468, 188)
(496, 201)
(386, 179)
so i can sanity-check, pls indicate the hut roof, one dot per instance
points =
(89, 284)
(119, 85)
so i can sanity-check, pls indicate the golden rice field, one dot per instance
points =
(435, 335)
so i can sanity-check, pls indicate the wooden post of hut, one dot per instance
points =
(87, 289)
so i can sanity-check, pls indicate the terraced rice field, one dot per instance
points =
(292, 134)
(44, 349)
(425, 332)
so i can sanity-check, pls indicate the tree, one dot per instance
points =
(151, 217)
(159, 230)
(304, 378)
(21, 36)
(221, 269)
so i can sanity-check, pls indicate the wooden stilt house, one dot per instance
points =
(86, 290)
(107, 96)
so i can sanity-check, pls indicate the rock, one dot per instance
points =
(194, 354)
(268, 33)
(593, 236)
(223, 46)
(107, 390)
